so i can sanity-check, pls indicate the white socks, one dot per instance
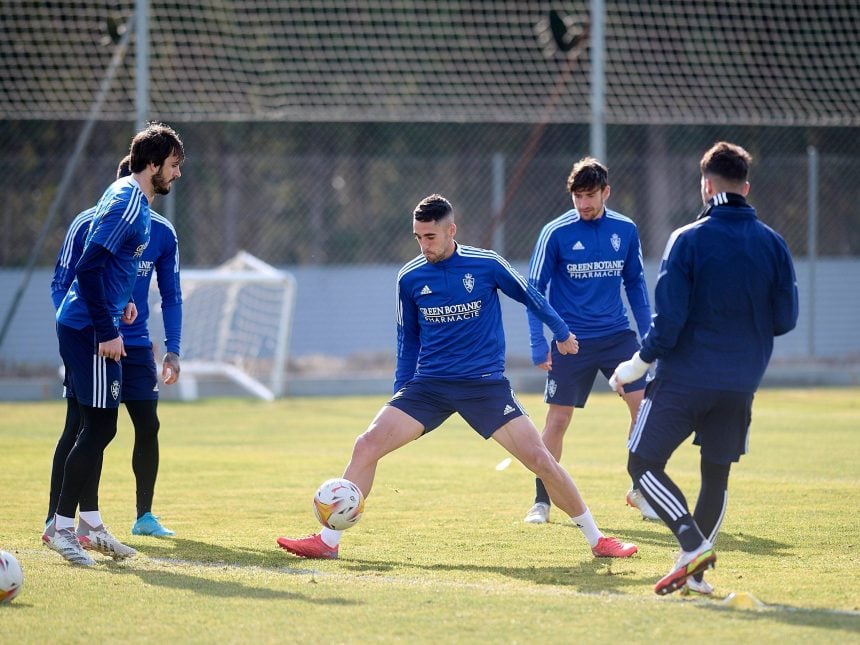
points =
(330, 537)
(61, 522)
(92, 518)
(589, 529)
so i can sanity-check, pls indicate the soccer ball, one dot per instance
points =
(11, 577)
(338, 504)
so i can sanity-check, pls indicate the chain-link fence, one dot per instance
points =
(335, 194)
(311, 134)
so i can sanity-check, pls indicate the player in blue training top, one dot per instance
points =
(139, 377)
(451, 358)
(584, 256)
(726, 287)
(88, 331)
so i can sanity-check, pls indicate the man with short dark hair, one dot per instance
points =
(451, 358)
(584, 257)
(726, 287)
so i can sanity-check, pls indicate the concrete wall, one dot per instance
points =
(348, 311)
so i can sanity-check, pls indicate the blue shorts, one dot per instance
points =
(486, 405)
(96, 381)
(670, 412)
(571, 378)
(139, 376)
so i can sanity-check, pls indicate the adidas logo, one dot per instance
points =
(578, 246)
(426, 290)
(508, 409)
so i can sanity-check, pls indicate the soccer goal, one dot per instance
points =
(236, 321)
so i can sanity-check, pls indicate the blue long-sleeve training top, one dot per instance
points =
(726, 287)
(162, 255)
(449, 320)
(584, 264)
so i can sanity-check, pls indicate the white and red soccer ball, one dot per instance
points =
(338, 504)
(11, 577)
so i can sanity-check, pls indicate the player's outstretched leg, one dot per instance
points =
(520, 438)
(390, 429)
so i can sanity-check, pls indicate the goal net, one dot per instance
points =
(236, 321)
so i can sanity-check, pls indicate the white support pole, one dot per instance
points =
(812, 243)
(498, 201)
(141, 58)
(598, 81)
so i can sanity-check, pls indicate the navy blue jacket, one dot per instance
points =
(726, 287)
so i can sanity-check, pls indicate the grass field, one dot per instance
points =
(442, 554)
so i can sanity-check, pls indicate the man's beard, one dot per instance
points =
(161, 186)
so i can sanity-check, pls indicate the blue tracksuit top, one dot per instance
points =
(726, 287)
(162, 254)
(584, 263)
(120, 225)
(449, 320)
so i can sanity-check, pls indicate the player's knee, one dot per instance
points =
(542, 463)
(144, 416)
(146, 429)
(714, 474)
(558, 420)
(366, 448)
(637, 466)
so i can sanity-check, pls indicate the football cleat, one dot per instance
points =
(148, 524)
(311, 546)
(610, 547)
(637, 500)
(687, 565)
(701, 588)
(538, 514)
(100, 539)
(65, 542)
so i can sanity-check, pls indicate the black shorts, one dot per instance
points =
(486, 405)
(571, 378)
(670, 412)
(139, 376)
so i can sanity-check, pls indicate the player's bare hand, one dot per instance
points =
(129, 314)
(568, 346)
(112, 349)
(546, 366)
(170, 368)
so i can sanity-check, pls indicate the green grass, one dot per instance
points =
(442, 554)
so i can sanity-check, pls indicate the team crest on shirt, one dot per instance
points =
(615, 241)
(551, 387)
(114, 390)
(469, 282)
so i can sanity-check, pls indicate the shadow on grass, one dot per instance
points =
(794, 616)
(183, 551)
(657, 534)
(598, 576)
(205, 553)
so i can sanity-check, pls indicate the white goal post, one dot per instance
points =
(236, 321)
